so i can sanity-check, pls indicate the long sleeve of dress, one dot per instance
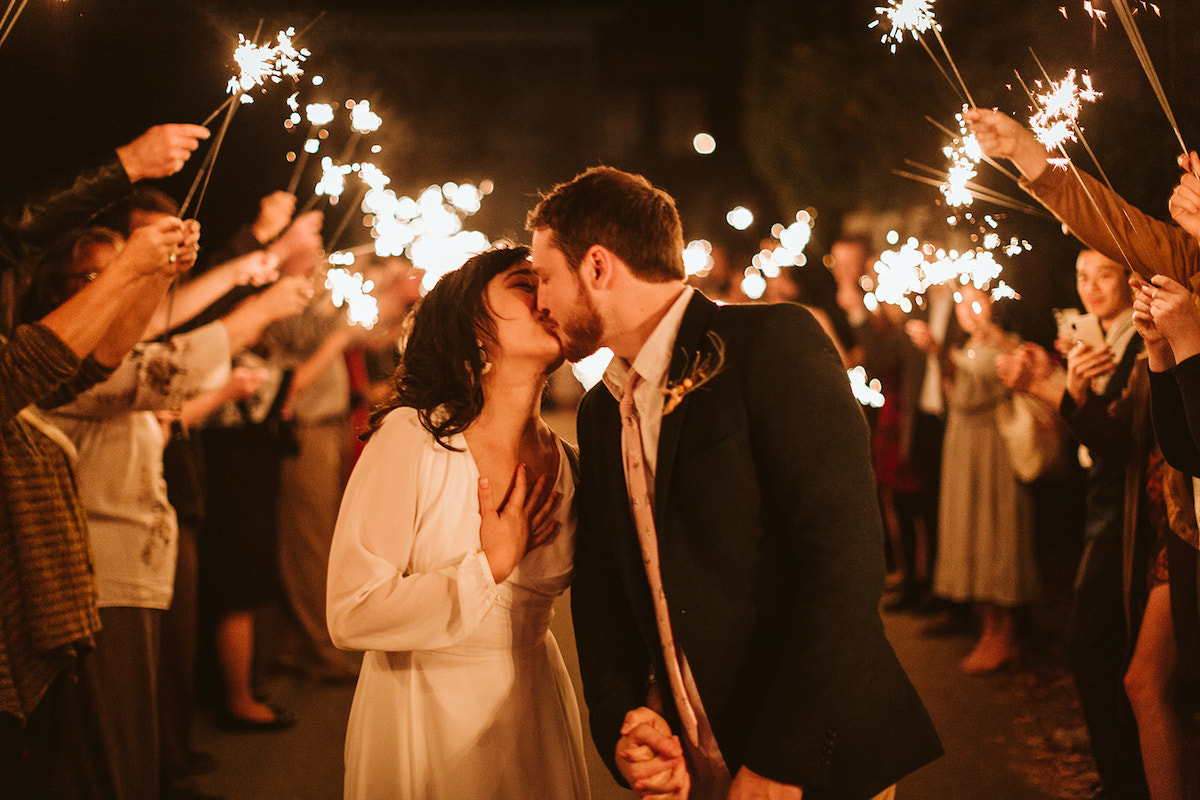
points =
(1175, 407)
(1103, 221)
(155, 376)
(406, 571)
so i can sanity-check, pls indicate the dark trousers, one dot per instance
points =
(29, 750)
(1098, 649)
(110, 738)
(925, 455)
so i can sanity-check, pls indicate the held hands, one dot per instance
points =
(161, 151)
(1185, 200)
(748, 785)
(650, 757)
(523, 523)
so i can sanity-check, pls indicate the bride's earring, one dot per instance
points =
(483, 358)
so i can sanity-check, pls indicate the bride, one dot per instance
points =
(455, 535)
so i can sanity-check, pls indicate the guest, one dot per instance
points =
(455, 535)
(985, 516)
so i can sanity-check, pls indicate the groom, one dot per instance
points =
(730, 553)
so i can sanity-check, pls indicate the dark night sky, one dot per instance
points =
(528, 93)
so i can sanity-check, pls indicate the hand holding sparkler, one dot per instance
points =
(161, 151)
(274, 214)
(1175, 316)
(184, 257)
(1158, 349)
(1185, 200)
(286, 298)
(151, 250)
(302, 238)
(256, 268)
(1001, 136)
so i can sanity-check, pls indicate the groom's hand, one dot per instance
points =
(749, 785)
(651, 758)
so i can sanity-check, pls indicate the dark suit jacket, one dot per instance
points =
(771, 552)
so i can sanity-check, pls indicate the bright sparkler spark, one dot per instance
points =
(964, 155)
(1055, 120)
(912, 16)
(363, 119)
(318, 113)
(259, 63)
(333, 179)
(913, 268)
(349, 289)
(866, 393)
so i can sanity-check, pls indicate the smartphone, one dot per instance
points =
(1085, 328)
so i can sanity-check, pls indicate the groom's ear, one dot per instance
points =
(599, 267)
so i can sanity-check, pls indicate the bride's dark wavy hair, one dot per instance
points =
(441, 360)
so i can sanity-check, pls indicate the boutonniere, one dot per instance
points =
(702, 366)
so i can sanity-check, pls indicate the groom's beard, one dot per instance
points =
(582, 332)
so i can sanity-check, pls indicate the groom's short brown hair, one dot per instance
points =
(617, 210)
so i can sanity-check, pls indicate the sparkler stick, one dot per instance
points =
(355, 208)
(995, 164)
(205, 172)
(1139, 47)
(319, 115)
(10, 23)
(938, 178)
(916, 17)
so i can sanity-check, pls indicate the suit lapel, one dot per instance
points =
(692, 331)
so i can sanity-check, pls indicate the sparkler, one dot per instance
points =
(350, 289)
(319, 115)
(362, 121)
(6, 23)
(1064, 98)
(915, 17)
(912, 268)
(1139, 47)
(256, 66)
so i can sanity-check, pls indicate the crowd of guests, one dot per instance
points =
(976, 419)
(177, 424)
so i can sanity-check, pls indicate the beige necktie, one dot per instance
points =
(640, 501)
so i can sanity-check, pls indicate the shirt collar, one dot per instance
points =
(654, 359)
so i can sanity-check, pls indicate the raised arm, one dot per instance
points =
(1095, 214)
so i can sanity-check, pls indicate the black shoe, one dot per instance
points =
(231, 723)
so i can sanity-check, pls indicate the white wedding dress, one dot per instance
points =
(463, 693)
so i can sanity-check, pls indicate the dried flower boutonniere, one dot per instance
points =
(702, 367)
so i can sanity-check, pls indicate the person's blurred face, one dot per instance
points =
(1102, 285)
(562, 296)
(973, 309)
(86, 267)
